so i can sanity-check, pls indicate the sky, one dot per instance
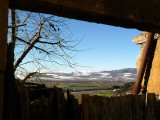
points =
(107, 47)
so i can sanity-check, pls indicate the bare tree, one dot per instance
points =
(38, 39)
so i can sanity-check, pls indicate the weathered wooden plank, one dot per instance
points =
(76, 110)
(115, 110)
(151, 107)
(61, 102)
(138, 107)
(126, 107)
(1, 94)
(38, 109)
(73, 108)
(117, 104)
(123, 107)
(104, 108)
(85, 107)
(37, 93)
(93, 107)
(23, 102)
(110, 112)
(158, 110)
(97, 108)
(56, 105)
(129, 107)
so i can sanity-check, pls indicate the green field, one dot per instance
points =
(105, 94)
(81, 85)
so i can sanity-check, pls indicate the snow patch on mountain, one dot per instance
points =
(127, 75)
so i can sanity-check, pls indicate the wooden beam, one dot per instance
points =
(3, 48)
(140, 14)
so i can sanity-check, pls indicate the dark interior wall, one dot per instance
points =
(3, 48)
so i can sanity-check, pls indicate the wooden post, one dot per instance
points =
(3, 48)
(137, 88)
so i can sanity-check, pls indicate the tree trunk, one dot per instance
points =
(11, 105)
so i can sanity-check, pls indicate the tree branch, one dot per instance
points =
(26, 52)
(18, 25)
(29, 48)
(22, 40)
(48, 42)
(22, 24)
(33, 46)
(29, 76)
(26, 18)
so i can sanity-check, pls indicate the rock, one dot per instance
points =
(152, 73)
(142, 38)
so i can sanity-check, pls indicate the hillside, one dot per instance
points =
(125, 75)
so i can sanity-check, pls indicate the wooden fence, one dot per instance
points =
(54, 106)
(127, 107)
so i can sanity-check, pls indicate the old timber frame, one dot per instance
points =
(3, 48)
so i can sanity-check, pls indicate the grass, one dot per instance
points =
(82, 85)
(73, 86)
(105, 94)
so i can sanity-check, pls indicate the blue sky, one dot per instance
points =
(107, 48)
(110, 47)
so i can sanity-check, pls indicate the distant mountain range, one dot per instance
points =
(126, 75)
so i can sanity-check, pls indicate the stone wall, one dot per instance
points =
(151, 79)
